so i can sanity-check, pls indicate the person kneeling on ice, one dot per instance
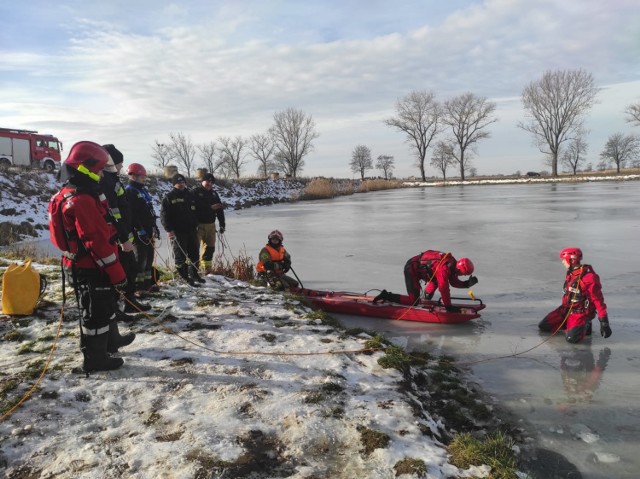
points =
(581, 300)
(438, 270)
(274, 262)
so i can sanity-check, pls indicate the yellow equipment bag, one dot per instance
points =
(22, 287)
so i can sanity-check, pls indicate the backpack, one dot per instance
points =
(58, 234)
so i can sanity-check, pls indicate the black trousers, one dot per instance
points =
(97, 299)
(185, 246)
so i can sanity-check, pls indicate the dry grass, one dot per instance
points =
(319, 188)
(25, 251)
(241, 267)
(376, 185)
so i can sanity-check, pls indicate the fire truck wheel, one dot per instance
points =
(49, 166)
(4, 163)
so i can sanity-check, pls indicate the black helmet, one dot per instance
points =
(276, 234)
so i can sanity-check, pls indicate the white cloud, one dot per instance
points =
(228, 70)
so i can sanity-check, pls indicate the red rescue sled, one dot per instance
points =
(343, 302)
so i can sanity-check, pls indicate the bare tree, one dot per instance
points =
(556, 105)
(293, 133)
(261, 147)
(231, 154)
(621, 148)
(361, 160)
(633, 112)
(467, 116)
(208, 156)
(443, 157)
(418, 117)
(161, 154)
(385, 163)
(573, 156)
(183, 151)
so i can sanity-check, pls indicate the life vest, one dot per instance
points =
(573, 293)
(275, 255)
(431, 260)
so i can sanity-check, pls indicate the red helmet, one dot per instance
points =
(572, 255)
(87, 157)
(276, 234)
(136, 169)
(464, 266)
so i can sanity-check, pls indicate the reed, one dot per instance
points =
(379, 184)
(239, 267)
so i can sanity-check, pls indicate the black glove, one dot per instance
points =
(383, 296)
(120, 285)
(471, 281)
(286, 267)
(221, 231)
(605, 329)
(452, 309)
(156, 232)
(269, 266)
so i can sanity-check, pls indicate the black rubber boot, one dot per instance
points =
(183, 271)
(96, 358)
(393, 297)
(193, 273)
(116, 340)
(132, 305)
(124, 317)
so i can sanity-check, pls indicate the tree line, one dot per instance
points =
(556, 106)
(281, 148)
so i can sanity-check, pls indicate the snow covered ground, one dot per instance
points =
(227, 380)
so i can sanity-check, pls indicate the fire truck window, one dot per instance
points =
(53, 144)
(40, 143)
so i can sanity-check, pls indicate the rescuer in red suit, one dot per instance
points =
(581, 301)
(81, 227)
(438, 270)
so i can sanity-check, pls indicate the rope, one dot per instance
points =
(44, 370)
(245, 353)
(515, 355)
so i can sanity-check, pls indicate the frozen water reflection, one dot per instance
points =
(583, 400)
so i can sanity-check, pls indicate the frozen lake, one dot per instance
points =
(582, 401)
(513, 234)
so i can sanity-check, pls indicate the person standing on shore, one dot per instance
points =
(582, 299)
(121, 211)
(79, 226)
(208, 208)
(145, 229)
(178, 217)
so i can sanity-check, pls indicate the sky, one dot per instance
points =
(132, 72)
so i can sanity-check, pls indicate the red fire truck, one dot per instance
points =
(29, 148)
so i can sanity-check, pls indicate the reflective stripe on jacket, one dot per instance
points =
(85, 214)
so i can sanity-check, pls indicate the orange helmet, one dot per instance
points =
(136, 169)
(572, 255)
(464, 266)
(88, 158)
(276, 234)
